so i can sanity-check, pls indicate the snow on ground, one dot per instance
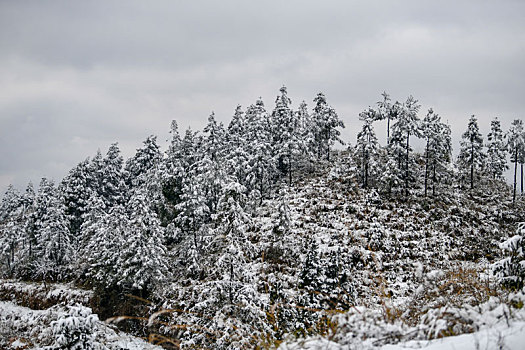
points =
(500, 337)
(21, 325)
(47, 294)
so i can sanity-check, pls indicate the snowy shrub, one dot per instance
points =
(75, 330)
(511, 270)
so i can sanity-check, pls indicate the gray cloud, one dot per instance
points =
(76, 76)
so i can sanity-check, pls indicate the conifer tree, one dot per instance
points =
(282, 126)
(388, 111)
(471, 154)
(306, 134)
(496, 150)
(516, 145)
(141, 261)
(172, 173)
(77, 188)
(10, 227)
(406, 126)
(326, 123)
(260, 147)
(27, 239)
(55, 245)
(210, 169)
(284, 220)
(103, 233)
(112, 188)
(236, 156)
(143, 163)
(367, 146)
(438, 148)
(232, 223)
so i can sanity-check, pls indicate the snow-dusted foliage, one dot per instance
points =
(243, 236)
(75, 330)
(516, 148)
(438, 151)
(61, 327)
(471, 156)
(368, 148)
(325, 123)
(496, 150)
(511, 270)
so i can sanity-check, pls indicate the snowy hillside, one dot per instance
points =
(262, 235)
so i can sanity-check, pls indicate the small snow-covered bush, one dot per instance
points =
(75, 330)
(511, 270)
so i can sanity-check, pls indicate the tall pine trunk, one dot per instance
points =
(365, 175)
(426, 169)
(515, 174)
(521, 175)
(388, 130)
(434, 179)
(290, 169)
(406, 167)
(472, 162)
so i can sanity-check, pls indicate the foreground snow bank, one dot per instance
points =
(500, 337)
(494, 324)
(23, 328)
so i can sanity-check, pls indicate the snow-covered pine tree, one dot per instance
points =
(236, 155)
(101, 235)
(139, 167)
(510, 271)
(232, 223)
(496, 150)
(282, 126)
(290, 139)
(27, 239)
(228, 298)
(11, 229)
(284, 221)
(141, 263)
(367, 147)
(76, 330)
(76, 188)
(192, 210)
(388, 111)
(55, 246)
(306, 127)
(438, 149)
(261, 167)
(326, 124)
(210, 169)
(172, 171)
(471, 156)
(441, 168)
(407, 125)
(516, 146)
(112, 188)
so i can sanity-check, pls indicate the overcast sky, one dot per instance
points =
(76, 76)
